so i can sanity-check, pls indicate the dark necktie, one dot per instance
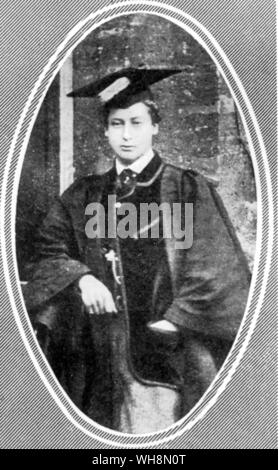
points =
(126, 183)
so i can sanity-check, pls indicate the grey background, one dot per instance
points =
(244, 415)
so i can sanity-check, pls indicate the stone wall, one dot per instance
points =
(235, 176)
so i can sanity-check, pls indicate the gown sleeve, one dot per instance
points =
(210, 279)
(57, 262)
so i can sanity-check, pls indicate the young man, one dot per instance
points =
(137, 327)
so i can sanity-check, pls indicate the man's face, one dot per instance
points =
(130, 132)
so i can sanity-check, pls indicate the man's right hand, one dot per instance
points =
(95, 295)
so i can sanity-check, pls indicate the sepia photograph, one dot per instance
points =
(137, 225)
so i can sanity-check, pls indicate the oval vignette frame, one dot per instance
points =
(264, 226)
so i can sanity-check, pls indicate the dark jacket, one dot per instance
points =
(209, 285)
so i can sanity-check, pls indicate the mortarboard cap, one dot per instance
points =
(124, 87)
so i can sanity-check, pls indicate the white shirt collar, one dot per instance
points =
(136, 166)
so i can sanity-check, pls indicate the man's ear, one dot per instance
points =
(155, 129)
(106, 132)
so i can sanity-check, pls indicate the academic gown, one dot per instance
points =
(115, 369)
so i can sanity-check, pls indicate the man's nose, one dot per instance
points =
(126, 131)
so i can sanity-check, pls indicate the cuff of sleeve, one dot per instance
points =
(39, 291)
(174, 316)
(199, 324)
(186, 321)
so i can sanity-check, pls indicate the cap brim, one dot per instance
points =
(139, 80)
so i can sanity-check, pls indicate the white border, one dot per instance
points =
(32, 96)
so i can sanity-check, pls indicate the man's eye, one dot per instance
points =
(115, 123)
(136, 123)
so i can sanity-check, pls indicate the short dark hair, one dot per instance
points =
(151, 105)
